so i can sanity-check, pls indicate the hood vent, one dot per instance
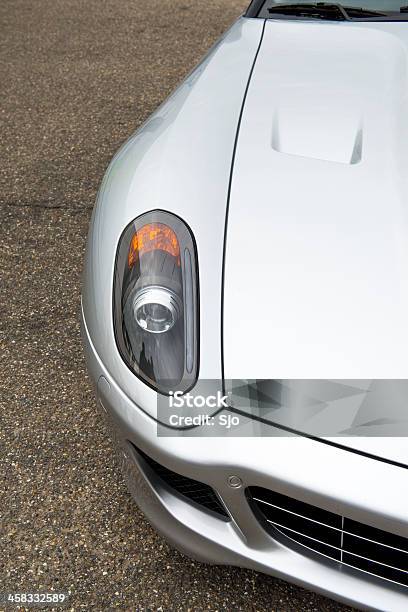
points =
(319, 131)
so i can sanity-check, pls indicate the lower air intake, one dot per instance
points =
(197, 492)
(354, 544)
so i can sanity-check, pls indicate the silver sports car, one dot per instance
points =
(245, 302)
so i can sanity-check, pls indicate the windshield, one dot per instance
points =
(358, 9)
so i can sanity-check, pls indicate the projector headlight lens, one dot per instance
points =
(156, 301)
(157, 309)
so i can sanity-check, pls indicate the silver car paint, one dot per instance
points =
(187, 144)
(363, 489)
(322, 282)
(180, 161)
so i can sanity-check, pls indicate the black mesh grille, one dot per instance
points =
(360, 546)
(194, 490)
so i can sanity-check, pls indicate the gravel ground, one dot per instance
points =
(78, 76)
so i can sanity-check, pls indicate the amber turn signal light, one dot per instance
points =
(153, 237)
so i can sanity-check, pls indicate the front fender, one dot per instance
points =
(180, 161)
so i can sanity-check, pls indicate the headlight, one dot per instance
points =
(155, 301)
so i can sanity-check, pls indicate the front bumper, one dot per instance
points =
(363, 489)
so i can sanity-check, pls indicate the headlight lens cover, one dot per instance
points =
(155, 301)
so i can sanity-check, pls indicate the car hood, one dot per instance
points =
(316, 255)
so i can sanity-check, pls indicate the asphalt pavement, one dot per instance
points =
(77, 78)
